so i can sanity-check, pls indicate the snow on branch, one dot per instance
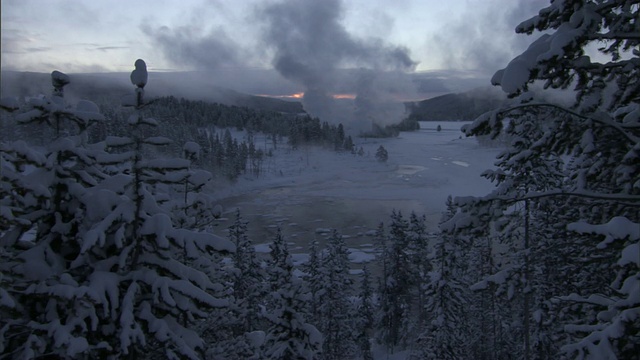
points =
(157, 140)
(493, 115)
(620, 197)
(9, 104)
(117, 141)
(618, 228)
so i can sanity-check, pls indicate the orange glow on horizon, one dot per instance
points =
(300, 95)
(344, 96)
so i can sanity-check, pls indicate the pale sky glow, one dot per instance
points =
(101, 35)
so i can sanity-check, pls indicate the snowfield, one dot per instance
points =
(309, 191)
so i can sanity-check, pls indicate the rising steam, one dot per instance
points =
(311, 47)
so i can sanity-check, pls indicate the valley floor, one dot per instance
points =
(311, 190)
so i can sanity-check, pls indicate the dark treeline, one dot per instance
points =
(207, 124)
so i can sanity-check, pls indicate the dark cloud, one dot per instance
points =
(484, 39)
(310, 45)
(188, 46)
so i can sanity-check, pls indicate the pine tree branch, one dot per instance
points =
(615, 36)
(622, 129)
(631, 200)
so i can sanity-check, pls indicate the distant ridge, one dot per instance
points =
(112, 86)
(462, 106)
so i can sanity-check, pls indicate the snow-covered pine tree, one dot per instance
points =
(277, 251)
(399, 285)
(524, 167)
(615, 333)
(194, 210)
(385, 300)
(485, 322)
(599, 135)
(365, 314)
(314, 280)
(339, 139)
(228, 329)
(382, 154)
(337, 315)
(420, 257)
(140, 268)
(348, 145)
(289, 335)
(249, 284)
(46, 306)
(445, 298)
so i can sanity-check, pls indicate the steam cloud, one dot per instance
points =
(482, 43)
(312, 51)
(311, 46)
(185, 45)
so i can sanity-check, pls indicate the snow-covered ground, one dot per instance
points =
(308, 191)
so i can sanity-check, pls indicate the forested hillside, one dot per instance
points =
(109, 88)
(456, 107)
(207, 125)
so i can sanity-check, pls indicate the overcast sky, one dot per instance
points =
(397, 49)
(108, 35)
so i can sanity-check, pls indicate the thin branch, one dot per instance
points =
(622, 129)
(616, 36)
(630, 200)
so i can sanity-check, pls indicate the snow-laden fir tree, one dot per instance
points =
(398, 285)
(445, 298)
(248, 284)
(382, 154)
(289, 335)
(110, 276)
(337, 318)
(228, 331)
(194, 209)
(143, 264)
(314, 281)
(382, 317)
(523, 251)
(598, 135)
(420, 257)
(46, 306)
(366, 309)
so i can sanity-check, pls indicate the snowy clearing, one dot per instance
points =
(318, 189)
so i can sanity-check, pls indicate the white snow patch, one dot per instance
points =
(409, 169)
(460, 163)
(299, 259)
(9, 103)
(617, 228)
(358, 256)
(630, 255)
(262, 248)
